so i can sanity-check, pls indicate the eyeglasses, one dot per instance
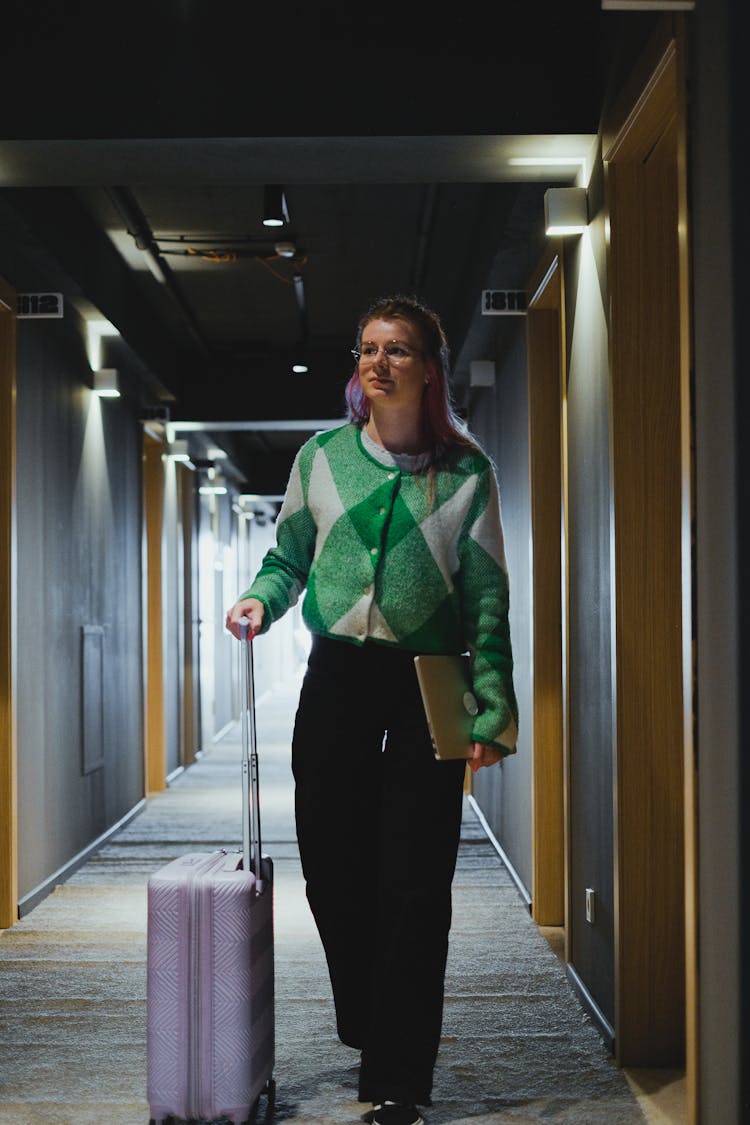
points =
(395, 352)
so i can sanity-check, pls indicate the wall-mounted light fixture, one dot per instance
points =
(213, 483)
(105, 383)
(252, 506)
(178, 451)
(565, 210)
(96, 330)
(216, 453)
(275, 212)
(214, 487)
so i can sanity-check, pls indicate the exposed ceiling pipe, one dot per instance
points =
(139, 230)
(425, 228)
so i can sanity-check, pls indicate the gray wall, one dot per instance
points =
(590, 692)
(79, 565)
(498, 416)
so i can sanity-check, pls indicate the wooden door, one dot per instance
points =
(651, 522)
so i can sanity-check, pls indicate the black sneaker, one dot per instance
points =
(396, 1113)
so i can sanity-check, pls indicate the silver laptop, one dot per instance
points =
(449, 703)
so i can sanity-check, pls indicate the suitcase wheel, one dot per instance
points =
(270, 1092)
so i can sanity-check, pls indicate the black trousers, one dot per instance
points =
(378, 825)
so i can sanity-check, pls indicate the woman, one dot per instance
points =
(391, 525)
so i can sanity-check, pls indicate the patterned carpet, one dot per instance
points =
(516, 1048)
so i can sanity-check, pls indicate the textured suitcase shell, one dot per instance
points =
(210, 1011)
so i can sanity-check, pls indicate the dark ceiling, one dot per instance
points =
(132, 177)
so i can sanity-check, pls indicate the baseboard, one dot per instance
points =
(591, 1008)
(33, 898)
(224, 730)
(520, 886)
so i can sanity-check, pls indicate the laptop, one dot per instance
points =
(449, 703)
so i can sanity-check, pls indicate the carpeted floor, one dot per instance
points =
(517, 1047)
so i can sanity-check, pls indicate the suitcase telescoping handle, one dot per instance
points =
(251, 847)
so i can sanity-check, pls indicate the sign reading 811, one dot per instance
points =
(503, 302)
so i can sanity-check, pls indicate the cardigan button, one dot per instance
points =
(373, 550)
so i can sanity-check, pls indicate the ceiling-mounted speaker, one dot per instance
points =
(482, 373)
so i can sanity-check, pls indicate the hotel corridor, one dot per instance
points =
(516, 1046)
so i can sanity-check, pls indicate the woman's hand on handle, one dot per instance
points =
(481, 754)
(251, 610)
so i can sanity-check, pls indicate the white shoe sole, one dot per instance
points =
(418, 1121)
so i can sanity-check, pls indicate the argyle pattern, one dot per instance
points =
(383, 557)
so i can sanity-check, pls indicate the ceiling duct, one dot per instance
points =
(139, 230)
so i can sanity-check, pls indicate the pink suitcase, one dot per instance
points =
(210, 967)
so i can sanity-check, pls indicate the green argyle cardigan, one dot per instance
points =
(384, 557)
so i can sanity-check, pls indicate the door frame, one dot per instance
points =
(546, 366)
(154, 720)
(647, 128)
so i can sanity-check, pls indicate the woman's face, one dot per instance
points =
(391, 368)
